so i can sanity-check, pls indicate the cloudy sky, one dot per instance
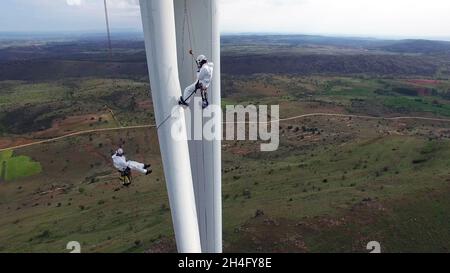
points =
(378, 18)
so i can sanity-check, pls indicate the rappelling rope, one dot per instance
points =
(189, 25)
(187, 22)
(164, 121)
(108, 30)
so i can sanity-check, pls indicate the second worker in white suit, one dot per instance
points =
(125, 166)
(204, 77)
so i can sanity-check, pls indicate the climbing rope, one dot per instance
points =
(187, 22)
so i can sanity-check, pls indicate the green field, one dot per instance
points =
(14, 167)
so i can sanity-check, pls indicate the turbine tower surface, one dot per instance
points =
(197, 30)
(160, 41)
(175, 31)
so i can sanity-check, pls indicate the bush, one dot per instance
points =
(259, 212)
(246, 193)
(44, 234)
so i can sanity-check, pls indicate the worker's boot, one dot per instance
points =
(127, 181)
(205, 103)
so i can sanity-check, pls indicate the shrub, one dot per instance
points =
(246, 193)
(44, 234)
(259, 212)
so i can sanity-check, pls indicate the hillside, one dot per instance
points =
(348, 170)
(303, 55)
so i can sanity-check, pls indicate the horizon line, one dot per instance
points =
(222, 33)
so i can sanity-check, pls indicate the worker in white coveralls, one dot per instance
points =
(204, 76)
(125, 167)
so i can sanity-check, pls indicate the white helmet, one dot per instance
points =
(201, 59)
(119, 152)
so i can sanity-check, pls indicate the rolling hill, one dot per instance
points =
(347, 171)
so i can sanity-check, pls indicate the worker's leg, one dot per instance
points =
(188, 92)
(136, 166)
(205, 102)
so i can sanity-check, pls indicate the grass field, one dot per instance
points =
(33, 107)
(14, 167)
(380, 169)
(308, 194)
(330, 177)
(346, 95)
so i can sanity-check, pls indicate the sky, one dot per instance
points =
(368, 18)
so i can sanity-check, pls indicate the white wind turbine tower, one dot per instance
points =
(192, 168)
